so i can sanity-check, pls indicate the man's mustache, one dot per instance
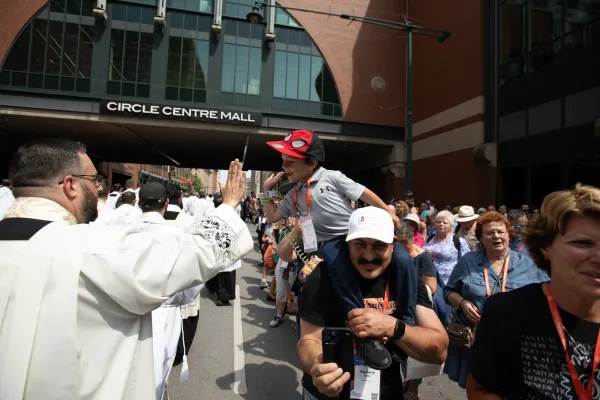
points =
(375, 261)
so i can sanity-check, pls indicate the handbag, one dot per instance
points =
(462, 335)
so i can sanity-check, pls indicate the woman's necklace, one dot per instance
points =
(584, 359)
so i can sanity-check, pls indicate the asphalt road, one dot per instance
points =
(236, 355)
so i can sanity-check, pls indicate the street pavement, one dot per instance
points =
(236, 355)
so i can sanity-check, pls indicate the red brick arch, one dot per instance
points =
(14, 15)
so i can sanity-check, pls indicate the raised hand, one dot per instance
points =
(235, 187)
(273, 181)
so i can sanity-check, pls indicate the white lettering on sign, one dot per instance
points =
(184, 112)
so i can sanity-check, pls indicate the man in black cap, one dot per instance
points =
(166, 320)
(174, 207)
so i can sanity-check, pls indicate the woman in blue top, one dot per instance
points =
(481, 274)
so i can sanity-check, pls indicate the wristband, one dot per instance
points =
(460, 304)
(269, 195)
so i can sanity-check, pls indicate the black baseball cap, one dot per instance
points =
(301, 144)
(153, 192)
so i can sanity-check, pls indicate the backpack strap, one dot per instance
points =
(456, 241)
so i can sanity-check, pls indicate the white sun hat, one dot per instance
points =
(466, 214)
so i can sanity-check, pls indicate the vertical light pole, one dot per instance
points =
(255, 17)
(409, 115)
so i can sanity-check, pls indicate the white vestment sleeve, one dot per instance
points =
(147, 268)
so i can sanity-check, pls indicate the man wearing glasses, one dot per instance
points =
(75, 299)
(518, 220)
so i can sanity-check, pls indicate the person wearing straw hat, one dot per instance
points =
(466, 219)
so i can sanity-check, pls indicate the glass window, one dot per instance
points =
(191, 5)
(301, 74)
(19, 54)
(283, 18)
(241, 69)
(280, 70)
(512, 22)
(546, 26)
(51, 54)
(187, 69)
(130, 63)
(291, 83)
(239, 8)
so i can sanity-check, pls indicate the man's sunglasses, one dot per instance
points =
(96, 179)
(518, 226)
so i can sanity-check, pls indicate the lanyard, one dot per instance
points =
(386, 297)
(307, 198)
(487, 282)
(582, 392)
(521, 247)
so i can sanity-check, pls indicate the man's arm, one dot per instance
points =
(372, 199)
(430, 281)
(426, 342)
(310, 345)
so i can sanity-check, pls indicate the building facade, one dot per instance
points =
(548, 96)
(209, 87)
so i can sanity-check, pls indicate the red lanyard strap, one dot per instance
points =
(521, 247)
(582, 392)
(504, 276)
(307, 197)
(386, 297)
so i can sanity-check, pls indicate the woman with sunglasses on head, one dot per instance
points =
(479, 275)
(542, 341)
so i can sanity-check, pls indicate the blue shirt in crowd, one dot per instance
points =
(468, 280)
(519, 246)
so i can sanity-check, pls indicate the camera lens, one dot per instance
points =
(330, 337)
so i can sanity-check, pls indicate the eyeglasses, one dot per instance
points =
(518, 226)
(96, 179)
(491, 234)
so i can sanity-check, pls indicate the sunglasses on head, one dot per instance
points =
(518, 226)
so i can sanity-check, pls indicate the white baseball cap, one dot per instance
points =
(371, 223)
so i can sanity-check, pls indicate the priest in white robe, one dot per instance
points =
(75, 299)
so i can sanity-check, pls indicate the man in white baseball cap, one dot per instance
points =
(466, 220)
(368, 252)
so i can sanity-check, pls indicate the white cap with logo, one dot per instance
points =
(371, 223)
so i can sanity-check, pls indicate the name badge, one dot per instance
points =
(366, 382)
(309, 236)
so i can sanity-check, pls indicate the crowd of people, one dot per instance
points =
(507, 300)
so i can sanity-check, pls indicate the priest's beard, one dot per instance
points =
(90, 206)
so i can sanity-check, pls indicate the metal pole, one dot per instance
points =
(409, 116)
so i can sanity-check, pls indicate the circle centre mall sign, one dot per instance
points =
(136, 109)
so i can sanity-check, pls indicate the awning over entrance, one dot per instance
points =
(187, 143)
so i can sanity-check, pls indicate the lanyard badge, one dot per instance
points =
(309, 236)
